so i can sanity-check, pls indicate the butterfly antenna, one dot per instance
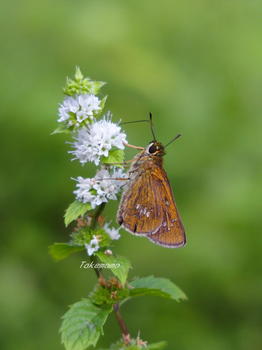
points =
(151, 126)
(134, 121)
(176, 137)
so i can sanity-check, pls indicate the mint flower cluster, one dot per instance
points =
(76, 110)
(96, 139)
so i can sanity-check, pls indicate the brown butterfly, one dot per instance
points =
(147, 207)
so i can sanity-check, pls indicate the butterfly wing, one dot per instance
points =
(147, 208)
(140, 211)
(171, 232)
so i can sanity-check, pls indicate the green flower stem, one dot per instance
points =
(93, 226)
(98, 212)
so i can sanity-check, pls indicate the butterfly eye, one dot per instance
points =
(152, 149)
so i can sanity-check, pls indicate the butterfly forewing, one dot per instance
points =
(140, 212)
(171, 232)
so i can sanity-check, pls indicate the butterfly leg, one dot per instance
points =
(125, 163)
(132, 146)
(114, 178)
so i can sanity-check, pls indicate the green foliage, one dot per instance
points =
(109, 294)
(84, 235)
(120, 265)
(157, 346)
(157, 286)
(60, 251)
(94, 88)
(82, 325)
(61, 129)
(82, 85)
(75, 210)
(114, 156)
(103, 102)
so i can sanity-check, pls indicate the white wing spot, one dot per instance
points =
(137, 206)
(148, 214)
(167, 203)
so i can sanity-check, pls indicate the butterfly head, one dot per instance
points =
(155, 149)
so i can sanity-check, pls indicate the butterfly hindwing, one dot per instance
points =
(171, 231)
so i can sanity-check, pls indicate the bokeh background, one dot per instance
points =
(197, 66)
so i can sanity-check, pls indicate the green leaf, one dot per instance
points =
(78, 74)
(103, 102)
(60, 251)
(75, 210)
(82, 325)
(95, 86)
(156, 286)
(157, 346)
(114, 156)
(120, 265)
(62, 129)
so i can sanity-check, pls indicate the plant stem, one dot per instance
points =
(116, 307)
(93, 226)
(121, 322)
(98, 212)
(97, 271)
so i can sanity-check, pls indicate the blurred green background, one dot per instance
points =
(197, 66)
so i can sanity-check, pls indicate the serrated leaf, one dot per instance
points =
(82, 325)
(156, 286)
(75, 210)
(114, 156)
(122, 265)
(60, 251)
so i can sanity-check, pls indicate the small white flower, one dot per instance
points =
(93, 246)
(74, 110)
(101, 188)
(112, 232)
(84, 186)
(97, 139)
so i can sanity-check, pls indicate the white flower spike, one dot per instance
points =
(75, 110)
(101, 188)
(97, 139)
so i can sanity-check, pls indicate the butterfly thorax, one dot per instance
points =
(150, 157)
